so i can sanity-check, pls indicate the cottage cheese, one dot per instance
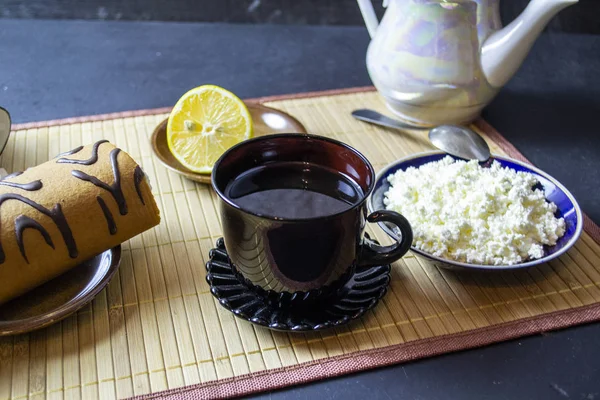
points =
(461, 211)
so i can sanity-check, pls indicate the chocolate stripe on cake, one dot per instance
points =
(24, 222)
(31, 186)
(114, 189)
(55, 214)
(138, 177)
(89, 161)
(112, 227)
(70, 152)
(14, 174)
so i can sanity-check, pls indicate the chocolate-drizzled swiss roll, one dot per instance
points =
(67, 210)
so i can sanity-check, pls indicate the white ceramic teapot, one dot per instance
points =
(441, 61)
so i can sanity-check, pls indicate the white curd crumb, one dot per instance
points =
(461, 211)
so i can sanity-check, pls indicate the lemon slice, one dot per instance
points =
(204, 123)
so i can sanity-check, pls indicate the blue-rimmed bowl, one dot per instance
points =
(555, 192)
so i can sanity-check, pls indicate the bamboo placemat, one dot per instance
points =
(157, 329)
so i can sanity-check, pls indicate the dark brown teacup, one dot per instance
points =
(293, 211)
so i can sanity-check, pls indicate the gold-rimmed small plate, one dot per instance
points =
(266, 121)
(60, 297)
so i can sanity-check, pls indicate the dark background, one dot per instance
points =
(579, 18)
(549, 110)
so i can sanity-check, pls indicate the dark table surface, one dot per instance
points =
(549, 110)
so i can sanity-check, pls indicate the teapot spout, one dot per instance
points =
(503, 51)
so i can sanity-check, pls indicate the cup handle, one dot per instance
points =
(373, 254)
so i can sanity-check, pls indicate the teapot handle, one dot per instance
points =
(368, 14)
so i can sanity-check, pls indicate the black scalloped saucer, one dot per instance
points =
(360, 294)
